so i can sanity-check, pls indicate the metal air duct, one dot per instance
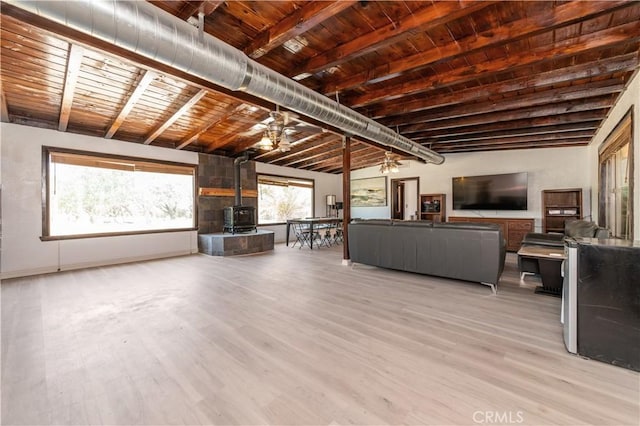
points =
(149, 31)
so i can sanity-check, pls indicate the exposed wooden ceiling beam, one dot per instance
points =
(143, 82)
(365, 157)
(428, 17)
(74, 60)
(519, 131)
(507, 126)
(210, 6)
(370, 154)
(626, 33)
(299, 22)
(539, 111)
(569, 135)
(546, 97)
(560, 143)
(4, 109)
(546, 20)
(335, 153)
(184, 108)
(626, 62)
(222, 142)
(336, 168)
(328, 155)
(332, 145)
(210, 121)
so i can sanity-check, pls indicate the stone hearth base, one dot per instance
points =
(220, 244)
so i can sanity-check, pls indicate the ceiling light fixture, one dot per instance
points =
(265, 142)
(275, 135)
(285, 144)
(389, 164)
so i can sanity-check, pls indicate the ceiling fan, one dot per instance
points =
(390, 163)
(278, 128)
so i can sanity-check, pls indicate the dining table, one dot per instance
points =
(311, 222)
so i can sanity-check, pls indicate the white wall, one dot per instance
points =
(22, 251)
(630, 98)
(325, 184)
(548, 168)
(1, 245)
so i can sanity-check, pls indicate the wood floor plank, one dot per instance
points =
(293, 337)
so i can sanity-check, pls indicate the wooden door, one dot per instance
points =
(397, 200)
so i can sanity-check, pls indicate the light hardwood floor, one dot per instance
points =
(293, 337)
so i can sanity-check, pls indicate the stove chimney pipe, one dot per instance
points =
(237, 181)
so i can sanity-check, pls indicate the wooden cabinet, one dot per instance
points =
(558, 206)
(516, 230)
(433, 207)
(513, 229)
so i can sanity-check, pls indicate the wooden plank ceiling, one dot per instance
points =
(454, 76)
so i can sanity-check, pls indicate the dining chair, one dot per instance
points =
(326, 235)
(338, 234)
(302, 234)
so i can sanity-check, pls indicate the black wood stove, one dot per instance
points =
(239, 219)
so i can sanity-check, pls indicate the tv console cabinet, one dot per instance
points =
(513, 229)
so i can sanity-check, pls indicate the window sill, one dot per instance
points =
(112, 234)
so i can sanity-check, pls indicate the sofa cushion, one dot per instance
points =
(580, 228)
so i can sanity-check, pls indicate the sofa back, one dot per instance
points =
(466, 251)
(583, 228)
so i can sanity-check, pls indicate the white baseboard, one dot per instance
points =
(28, 272)
(82, 265)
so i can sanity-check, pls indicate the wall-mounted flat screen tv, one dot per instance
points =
(490, 192)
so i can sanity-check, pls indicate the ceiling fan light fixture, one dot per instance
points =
(276, 126)
(285, 144)
(389, 164)
(265, 142)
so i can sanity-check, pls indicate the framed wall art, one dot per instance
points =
(369, 192)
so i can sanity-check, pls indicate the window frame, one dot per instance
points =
(611, 145)
(313, 194)
(47, 151)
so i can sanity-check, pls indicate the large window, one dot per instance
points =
(281, 198)
(616, 180)
(88, 194)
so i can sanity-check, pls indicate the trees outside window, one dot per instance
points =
(281, 198)
(616, 180)
(88, 194)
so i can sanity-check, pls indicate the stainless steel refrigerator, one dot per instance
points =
(601, 300)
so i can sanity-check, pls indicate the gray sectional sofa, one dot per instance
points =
(464, 251)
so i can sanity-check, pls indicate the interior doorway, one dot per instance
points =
(405, 198)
